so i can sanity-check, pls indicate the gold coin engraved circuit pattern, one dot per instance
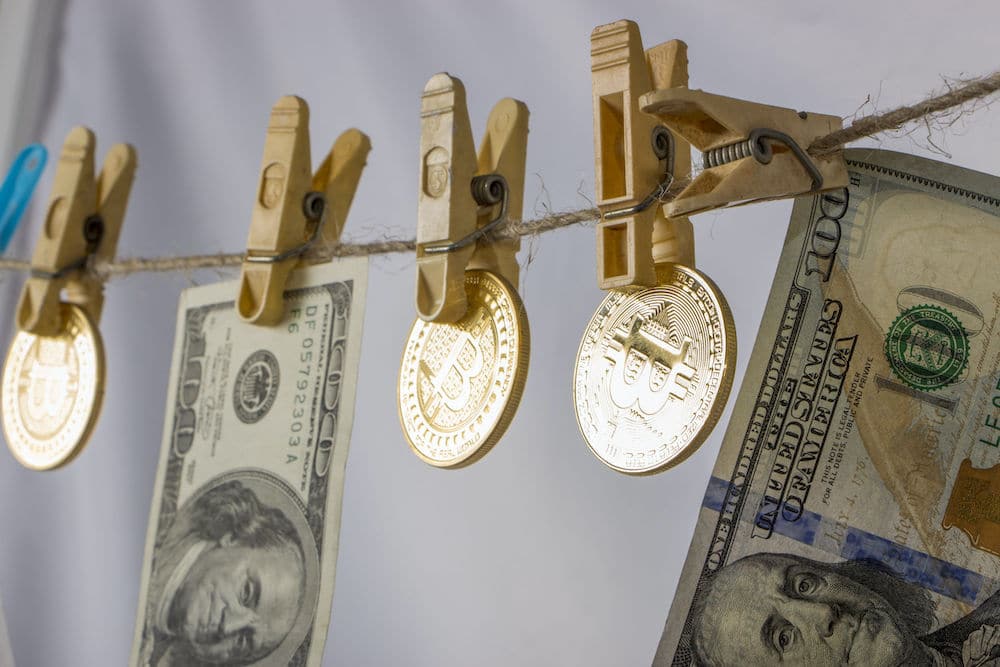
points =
(654, 371)
(52, 390)
(460, 383)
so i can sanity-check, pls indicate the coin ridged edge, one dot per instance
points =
(718, 405)
(518, 382)
(98, 402)
(725, 386)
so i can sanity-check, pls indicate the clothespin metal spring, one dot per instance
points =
(93, 232)
(295, 209)
(757, 145)
(314, 208)
(487, 190)
(663, 147)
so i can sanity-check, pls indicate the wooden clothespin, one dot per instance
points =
(752, 152)
(636, 158)
(295, 210)
(83, 221)
(463, 198)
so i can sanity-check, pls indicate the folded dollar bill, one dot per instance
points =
(853, 515)
(242, 541)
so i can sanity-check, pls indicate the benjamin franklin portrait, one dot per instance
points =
(231, 583)
(769, 609)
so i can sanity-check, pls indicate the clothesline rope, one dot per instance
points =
(867, 126)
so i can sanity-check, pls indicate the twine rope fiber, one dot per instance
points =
(867, 126)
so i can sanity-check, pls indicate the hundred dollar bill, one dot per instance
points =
(853, 515)
(242, 541)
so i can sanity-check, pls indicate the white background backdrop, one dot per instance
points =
(537, 555)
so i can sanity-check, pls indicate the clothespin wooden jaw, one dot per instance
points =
(753, 152)
(636, 158)
(295, 210)
(503, 152)
(462, 197)
(83, 223)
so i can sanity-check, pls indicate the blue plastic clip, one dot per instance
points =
(17, 188)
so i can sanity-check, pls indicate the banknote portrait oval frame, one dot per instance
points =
(271, 492)
(894, 448)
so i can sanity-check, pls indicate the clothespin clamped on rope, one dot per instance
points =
(17, 188)
(752, 152)
(83, 223)
(296, 210)
(645, 117)
(463, 198)
(53, 378)
(659, 352)
(636, 159)
(466, 358)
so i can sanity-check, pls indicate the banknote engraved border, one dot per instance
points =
(341, 294)
(318, 489)
(923, 180)
(728, 524)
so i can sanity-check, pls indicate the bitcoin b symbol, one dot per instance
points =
(47, 391)
(648, 369)
(49, 381)
(456, 363)
(654, 370)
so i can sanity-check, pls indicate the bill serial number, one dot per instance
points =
(303, 322)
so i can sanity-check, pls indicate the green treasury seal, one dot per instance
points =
(927, 347)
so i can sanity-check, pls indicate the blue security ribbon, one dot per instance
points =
(17, 188)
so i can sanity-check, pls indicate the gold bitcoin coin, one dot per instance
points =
(52, 389)
(654, 371)
(460, 383)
